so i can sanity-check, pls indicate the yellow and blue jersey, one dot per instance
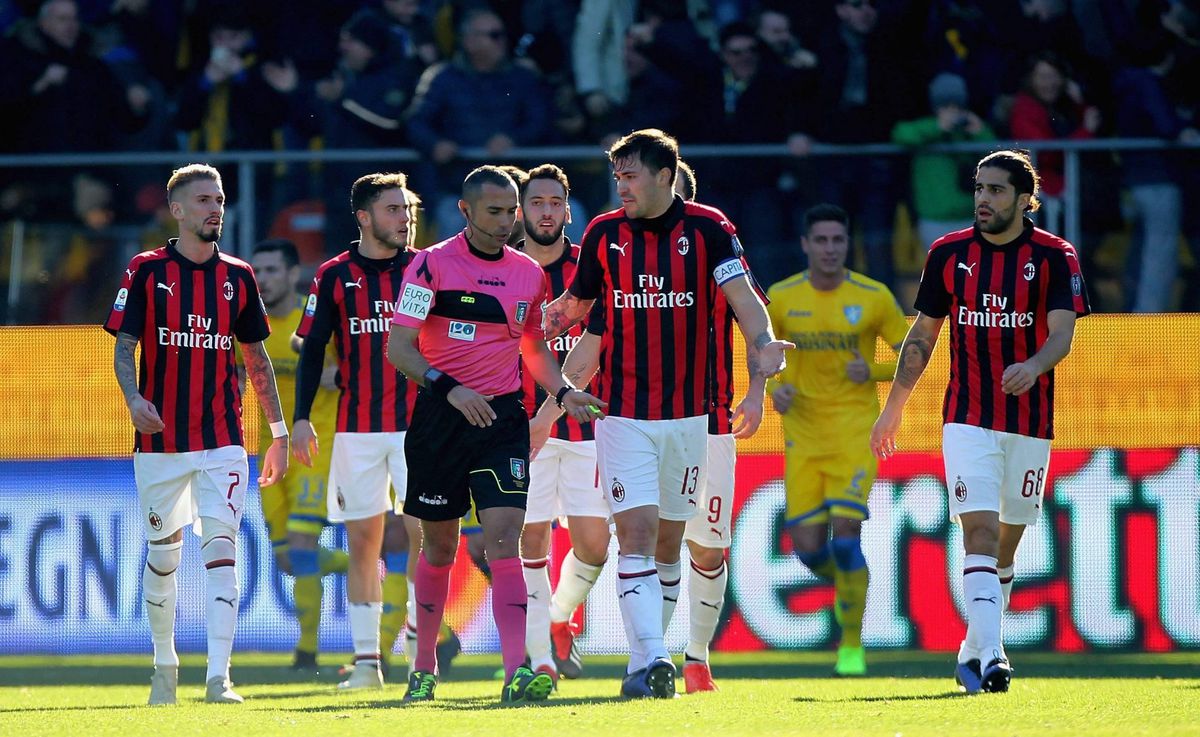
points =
(831, 412)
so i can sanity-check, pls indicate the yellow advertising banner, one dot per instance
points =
(1131, 382)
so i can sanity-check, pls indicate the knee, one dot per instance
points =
(219, 544)
(981, 540)
(709, 559)
(847, 553)
(535, 541)
(439, 550)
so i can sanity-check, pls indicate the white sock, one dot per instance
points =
(222, 591)
(706, 598)
(641, 602)
(364, 629)
(161, 591)
(1006, 582)
(575, 582)
(220, 559)
(537, 613)
(669, 578)
(981, 589)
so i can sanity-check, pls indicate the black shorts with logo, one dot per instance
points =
(450, 460)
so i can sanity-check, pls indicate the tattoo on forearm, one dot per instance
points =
(561, 314)
(262, 377)
(762, 339)
(914, 357)
(125, 366)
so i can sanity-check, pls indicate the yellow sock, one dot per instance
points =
(395, 610)
(333, 560)
(850, 584)
(307, 593)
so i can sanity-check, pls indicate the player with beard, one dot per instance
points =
(1012, 293)
(189, 304)
(708, 533)
(654, 266)
(562, 472)
(352, 299)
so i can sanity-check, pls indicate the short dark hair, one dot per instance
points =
(367, 188)
(285, 248)
(688, 177)
(1021, 173)
(824, 212)
(734, 29)
(653, 147)
(547, 171)
(472, 186)
(518, 174)
(185, 175)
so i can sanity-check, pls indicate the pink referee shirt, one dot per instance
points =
(472, 310)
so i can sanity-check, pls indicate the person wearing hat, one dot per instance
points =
(940, 182)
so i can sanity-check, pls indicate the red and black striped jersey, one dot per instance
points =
(187, 317)
(352, 300)
(997, 298)
(657, 279)
(558, 275)
(720, 415)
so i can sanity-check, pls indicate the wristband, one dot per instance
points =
(558, 397)
(279, 430)
(439, 383)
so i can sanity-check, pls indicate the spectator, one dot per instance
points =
(1145, 111)
(774, 29)
(412, 32)
(1049, 106)
(67, 97)
(229, 104)
(598, 55)
(669, 39)
(941, 193)
(759, 106)
(478, 99)
(862, 92)
(359, 105)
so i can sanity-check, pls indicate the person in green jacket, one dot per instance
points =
(941, 182)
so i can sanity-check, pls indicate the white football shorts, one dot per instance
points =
(564, 482)
(653, 462)
(993, 471)
(362, 466)
(711, 527)
(177, 489)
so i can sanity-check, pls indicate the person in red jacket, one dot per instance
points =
(1050, 105)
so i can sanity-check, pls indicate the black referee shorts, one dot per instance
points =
(450, 460)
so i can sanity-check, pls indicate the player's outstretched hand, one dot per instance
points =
(304, 442)
(883, 434)
(274, 462)
(782, 396)
(144, 415)
(1018, 378)
(772, 357)
(857, 370)
(473, 405)
(583, 407)
(747, 416)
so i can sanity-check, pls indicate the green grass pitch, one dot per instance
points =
(762, 694)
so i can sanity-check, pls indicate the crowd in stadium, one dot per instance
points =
(439, 76)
